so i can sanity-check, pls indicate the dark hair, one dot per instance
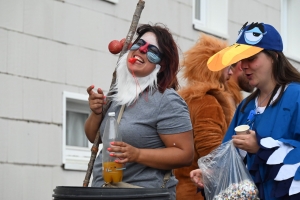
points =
(283, 73)
(167, 75)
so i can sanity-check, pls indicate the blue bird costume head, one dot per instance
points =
(251, 40)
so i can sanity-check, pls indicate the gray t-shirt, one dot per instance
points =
(141, 122)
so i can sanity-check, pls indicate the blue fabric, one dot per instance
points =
(293, 157)
(297, 175)
(272, 171)
(281, 122)
(283, 186)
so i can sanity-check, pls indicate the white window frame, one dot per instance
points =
(74, 158)
(202, 21)
(284, 32)
(204, 25)
(112, 1)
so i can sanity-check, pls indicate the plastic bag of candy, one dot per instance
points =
(225, 175)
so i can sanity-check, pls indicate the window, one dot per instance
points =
(211, 16)
(290, 29)
(76, 147)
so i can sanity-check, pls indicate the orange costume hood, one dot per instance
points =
(200, 80)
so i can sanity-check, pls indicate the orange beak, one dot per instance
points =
(231, 55)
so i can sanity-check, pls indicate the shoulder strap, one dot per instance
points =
(120, 114)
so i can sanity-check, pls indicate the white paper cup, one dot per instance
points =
(241, 129)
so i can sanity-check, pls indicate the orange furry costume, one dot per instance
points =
(210, 105)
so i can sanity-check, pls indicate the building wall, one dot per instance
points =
(51, 46)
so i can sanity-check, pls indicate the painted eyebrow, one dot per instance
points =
(258, 25)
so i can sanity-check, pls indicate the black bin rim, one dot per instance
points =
(93, 193)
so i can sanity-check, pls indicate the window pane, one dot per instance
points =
(211, 16)
(75, 135)
(198, 9)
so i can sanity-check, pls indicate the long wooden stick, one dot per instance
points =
(135, 19)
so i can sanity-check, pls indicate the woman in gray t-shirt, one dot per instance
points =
(155, 126)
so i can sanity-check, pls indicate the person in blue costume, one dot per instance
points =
(272, 111)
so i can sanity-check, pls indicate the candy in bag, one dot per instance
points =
(225, 175)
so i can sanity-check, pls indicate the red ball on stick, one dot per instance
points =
(122, 41)
(115, 47)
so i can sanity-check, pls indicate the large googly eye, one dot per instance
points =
(253, 36)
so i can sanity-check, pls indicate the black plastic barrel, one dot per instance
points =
(98, 193)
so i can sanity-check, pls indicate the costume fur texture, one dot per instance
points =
(210, 104)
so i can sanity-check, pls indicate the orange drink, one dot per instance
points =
(112, 172)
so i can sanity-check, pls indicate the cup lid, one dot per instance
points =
(242, 128)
